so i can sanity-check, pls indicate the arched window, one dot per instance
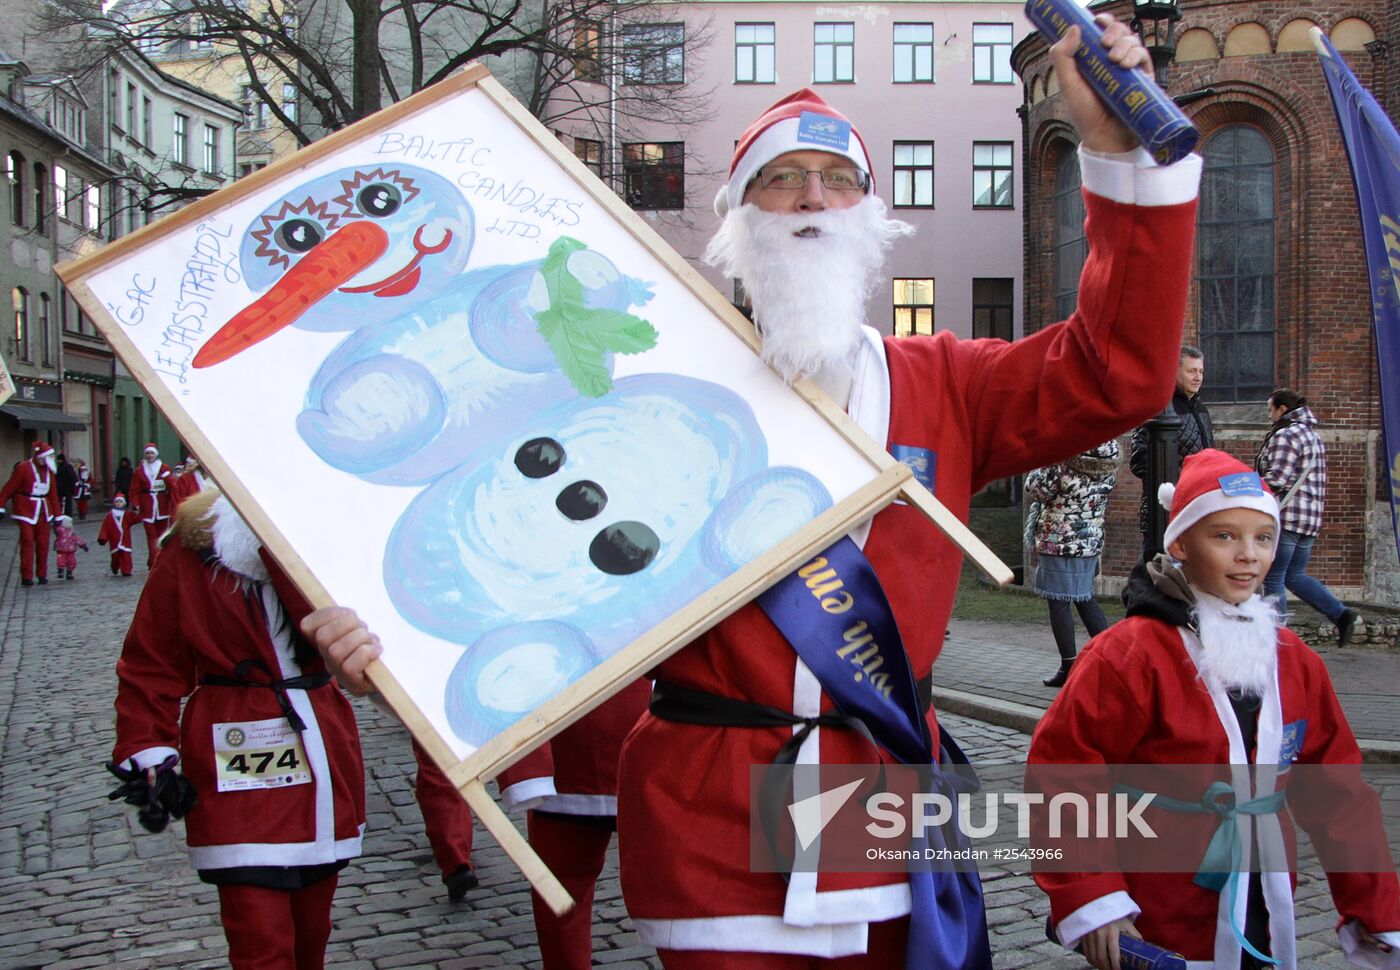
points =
(14, 171)
(41, 197)
(1070, 247)
(45, 333)
(1236, 265)
(21, 302)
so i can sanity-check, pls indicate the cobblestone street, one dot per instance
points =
(82, 885)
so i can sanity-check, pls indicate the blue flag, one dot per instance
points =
(1373, 147)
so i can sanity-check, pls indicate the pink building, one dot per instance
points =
(928, 84)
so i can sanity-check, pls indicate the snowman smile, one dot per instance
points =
(403, 280)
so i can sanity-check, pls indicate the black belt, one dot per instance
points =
(241, 678)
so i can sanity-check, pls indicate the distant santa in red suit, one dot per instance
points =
(266, 741)
(116, 534)
(31, 489)
(152, 499)
(189, 482)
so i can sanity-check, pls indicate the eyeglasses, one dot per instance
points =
(838, 178)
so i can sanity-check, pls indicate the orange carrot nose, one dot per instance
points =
(334, 260)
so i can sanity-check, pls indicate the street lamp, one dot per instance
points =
(1162, 458)
(1160, 37)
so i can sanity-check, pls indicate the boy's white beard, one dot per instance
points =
(1239, 644)
(808, 292)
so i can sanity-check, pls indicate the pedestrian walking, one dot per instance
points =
(66, 543)
(1069, 501)
(82, 493)
(152, 499)
(34, 496)
(121, 479)
(264, 762)
(116, 534)
(1293, 461)
(66, 477)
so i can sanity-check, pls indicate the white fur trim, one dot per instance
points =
(152, 757)
(753, 934)
(779, 139)
(1216, 501)
(275, 853)
(1135, 178)
(1165, 493)
(234, 542)
(1093, 914)
(527, 794)
(572, 803)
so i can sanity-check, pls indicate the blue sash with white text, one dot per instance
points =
(836, 616)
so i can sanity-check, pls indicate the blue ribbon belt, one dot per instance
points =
(836, 616)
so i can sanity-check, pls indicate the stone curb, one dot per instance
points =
(1024, 717)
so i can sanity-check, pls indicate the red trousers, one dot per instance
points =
(121, 562)
(446, 817)
(154, 530)
(268, 929)
(33, 550)
(575, 852)
(884, 951)
(82, 508)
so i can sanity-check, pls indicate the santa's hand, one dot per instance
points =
(1099, 130)
(1100, 947)
(346, 644)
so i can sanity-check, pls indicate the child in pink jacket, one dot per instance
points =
(67, 543)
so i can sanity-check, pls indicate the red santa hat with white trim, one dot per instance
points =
(802, 121)
(42, 449)
(1211, 481)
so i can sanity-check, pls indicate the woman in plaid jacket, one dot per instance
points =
(1293, 460)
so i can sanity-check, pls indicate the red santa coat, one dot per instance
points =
(151, 494)
(183, 486)
(193, 621)
(116, 530)
(1136, 697)
(32, 488)
(985, 409)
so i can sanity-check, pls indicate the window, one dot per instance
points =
(146, 122)
(655, 174)
(14, 171)
(991, 54)
(45, 336)
(20, 297)
(289, 101)
(653, 54)
(913, 53)
(754, 48)
(991, 174)
(133, 211)
(913, 174)
(1236, 265)
(590, 152)
(201, 27)
(913, 307)
(991, 308)
(41, 198)
(254, 110)
(179, 139)
(114, 97)
(60, 190)
(131, 110)
(834, 55)
(1070, 244)
(94, 207)
(211, 150)
(248, 168)
(588, 50)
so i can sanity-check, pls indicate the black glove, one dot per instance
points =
(171, 795)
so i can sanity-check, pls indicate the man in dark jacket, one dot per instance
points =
(67, 477)
(1195, 433)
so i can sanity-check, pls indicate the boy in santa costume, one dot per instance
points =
(33, 490)
(806, 233)
(66, 543)
(116, 534)
(1201, 673)
(152, 498)
(265, 759)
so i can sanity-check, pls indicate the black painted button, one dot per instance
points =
(581, 500)
(624, 548)
(539, 457)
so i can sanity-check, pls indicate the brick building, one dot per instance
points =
(1279, 293)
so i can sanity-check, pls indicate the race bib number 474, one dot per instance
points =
(259, 754)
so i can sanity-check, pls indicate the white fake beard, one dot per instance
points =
(234, 542)
(808, 292)
(150, 468)
(1239, 644)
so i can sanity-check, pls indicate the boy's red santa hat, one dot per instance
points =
(800, 122)
(1210, 482)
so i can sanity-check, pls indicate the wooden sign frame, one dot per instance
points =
(888, 477)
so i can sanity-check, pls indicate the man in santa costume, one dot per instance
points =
(188, 482)
(33, 496)
(264, 760)
(115, 533)
(806, 234)
(1201, 673)
(152, 498)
